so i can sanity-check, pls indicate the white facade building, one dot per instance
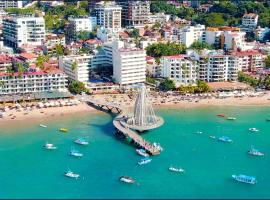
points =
(250, 20)
(106, 35)
(4, 4)
(129, 64)
(78, 24)
(77, 67)
(19, 30)
(261, 32)
(215, 66)
(179, 68)
(234, 40)
(109, 16)
(31, 82)
(192, 34)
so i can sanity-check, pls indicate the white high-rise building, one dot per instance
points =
(192, 34)
(33, 82)
(4, 4)
(78, 24)
(250, 20)
(129, 64)
(109, 16)
(77, 67)
(19, 30)
(179, 68)
(234, 40)
(215, 66)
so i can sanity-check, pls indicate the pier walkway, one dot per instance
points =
(120, 125)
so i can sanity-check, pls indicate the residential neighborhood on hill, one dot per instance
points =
(131, 42)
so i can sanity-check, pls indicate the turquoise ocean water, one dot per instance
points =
(29, 171)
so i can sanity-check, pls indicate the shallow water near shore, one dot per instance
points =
(29, 171)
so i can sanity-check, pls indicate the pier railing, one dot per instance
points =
(121, 127)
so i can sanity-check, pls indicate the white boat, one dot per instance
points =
(142, 152)
(50, 146)
(213, 137)
(245, 179)
(43, 126)
(199, 132)
(157, 145)
(127, 179)
(75, 153)
(71, 174)
(144, 161)
(255, 152)
(180, 170)
(253, 129)
(225, 139)
(231, 118)
(81, 141)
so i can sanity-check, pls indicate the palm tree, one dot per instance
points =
(74, 66)
(2, 84)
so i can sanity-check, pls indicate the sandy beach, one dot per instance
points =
(43, 115)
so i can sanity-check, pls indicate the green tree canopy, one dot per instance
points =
(83, 35)
(168, 49)
(167, 84)
(76, 87)
(242, 77)
(201, 45)
(267, 62)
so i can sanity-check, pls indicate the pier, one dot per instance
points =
(143, 119)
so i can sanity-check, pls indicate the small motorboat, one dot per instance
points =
(212, 136)
(81, 141)
(245, 179)
(174, 169)
(127, 179)
(199, 132)
(221, 115)
(253, 130)
(65, 130)
(71, 174)
(255, 152)
(157, 145)
(144, 161)
(225, 139)
(43, 126)
(231, 118)
(49, 146)
(142, 152)
(75, 153)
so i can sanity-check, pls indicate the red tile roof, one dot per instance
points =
(176, 56)
(28, 55)
(5, 58)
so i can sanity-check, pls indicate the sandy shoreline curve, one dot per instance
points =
(53, 113)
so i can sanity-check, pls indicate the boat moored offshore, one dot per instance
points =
(255, 152)
(43, 126)
(231, 118)
(144, 161)
(127, 179)
(142, 152)
(253, 130)
(225, 139)
(75, 153)
(49, 146)
(245, 179)
(65, 130)
(81, 141)
(71, 174)
(174, 169)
